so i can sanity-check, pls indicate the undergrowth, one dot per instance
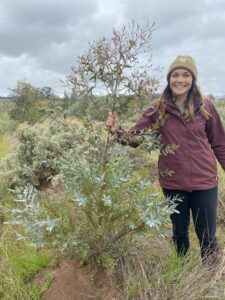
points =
(19, 263)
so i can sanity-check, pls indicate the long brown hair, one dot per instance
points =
(194, 92)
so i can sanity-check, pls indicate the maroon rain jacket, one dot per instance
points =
(200, 143)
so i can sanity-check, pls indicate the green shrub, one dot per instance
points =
(110, 201)
(34, 158)
(24, 98)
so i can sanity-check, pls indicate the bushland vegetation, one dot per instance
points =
(69, 190)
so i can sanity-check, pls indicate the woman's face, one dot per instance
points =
(180, 82)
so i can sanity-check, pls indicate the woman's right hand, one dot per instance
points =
(112, 123)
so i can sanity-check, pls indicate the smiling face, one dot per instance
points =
(180, 82)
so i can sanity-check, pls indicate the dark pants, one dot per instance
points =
(203, 205)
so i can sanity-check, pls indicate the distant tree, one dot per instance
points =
(47, 93)
(211, 97)
(24, 97)
(66, 97)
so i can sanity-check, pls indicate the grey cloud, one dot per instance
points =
(164, 13)
(30, 26)
(40, 40)
(177, 21)
(47, 12)
(212, 25)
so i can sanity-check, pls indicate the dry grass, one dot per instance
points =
(153, 271)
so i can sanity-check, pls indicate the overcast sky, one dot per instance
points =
(40, 40)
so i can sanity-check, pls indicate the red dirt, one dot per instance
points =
(73, 282)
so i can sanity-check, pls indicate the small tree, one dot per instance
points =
(24, 97)
(47, 93)
(111, 200)
(114, 201)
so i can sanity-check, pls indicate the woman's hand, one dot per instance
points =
(112, 123)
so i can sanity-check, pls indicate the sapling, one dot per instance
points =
(103, 180)
(111, 201)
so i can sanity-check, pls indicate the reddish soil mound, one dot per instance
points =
(73, 282)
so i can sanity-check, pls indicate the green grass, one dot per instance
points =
(4, 123)
(25, 260)
(4, 145)
(18, 265)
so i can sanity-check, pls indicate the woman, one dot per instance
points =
(185, 118)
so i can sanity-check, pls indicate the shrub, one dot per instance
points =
(24, 98)
(110, 199)
(34, 158)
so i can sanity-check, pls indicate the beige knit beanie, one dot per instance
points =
(184, 62)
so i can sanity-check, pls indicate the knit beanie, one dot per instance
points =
(184, 62)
